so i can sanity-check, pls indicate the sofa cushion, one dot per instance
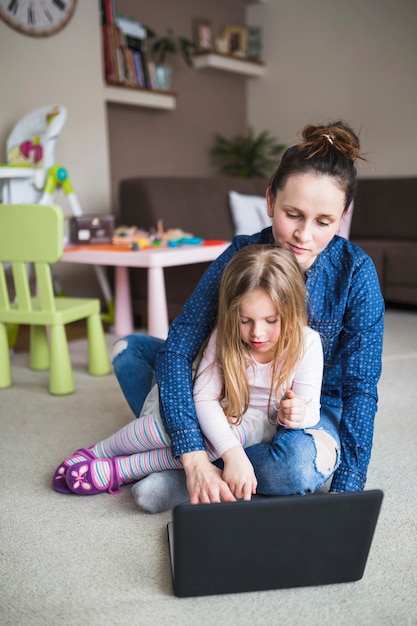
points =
(375, 249)
(396, 265)
(385, 208)
(401, 264)
(249, 213)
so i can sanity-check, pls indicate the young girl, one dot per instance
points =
(308, 197)
(260, 371)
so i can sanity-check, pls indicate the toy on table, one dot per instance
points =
(142, 239)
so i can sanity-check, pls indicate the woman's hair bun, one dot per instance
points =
(321, 140)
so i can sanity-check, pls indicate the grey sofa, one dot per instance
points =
(384, 224)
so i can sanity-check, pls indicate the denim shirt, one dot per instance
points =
(345, 306)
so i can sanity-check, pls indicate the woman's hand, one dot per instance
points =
(238, 473)
(204, 480)
(292, 410)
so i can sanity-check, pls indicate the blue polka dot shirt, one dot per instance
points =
(345, 306)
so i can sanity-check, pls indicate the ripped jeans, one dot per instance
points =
(294, 462)
(133, 360)
(298, 461)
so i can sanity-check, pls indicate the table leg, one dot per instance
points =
(123, 324)
(157, 303)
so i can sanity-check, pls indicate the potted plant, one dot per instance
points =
(247, 156)
(162, 48)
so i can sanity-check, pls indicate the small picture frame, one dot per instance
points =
(203, 34)
(254, 43)
(237, 40)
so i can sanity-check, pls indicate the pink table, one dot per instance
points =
(154, 260)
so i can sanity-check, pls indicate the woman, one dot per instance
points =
(307, 199)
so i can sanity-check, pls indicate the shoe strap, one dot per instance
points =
(85, 452)
(115, 480)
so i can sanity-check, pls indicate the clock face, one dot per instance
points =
(37, 18)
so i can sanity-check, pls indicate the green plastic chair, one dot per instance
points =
(33, 233)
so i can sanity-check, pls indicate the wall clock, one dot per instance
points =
(37, 18)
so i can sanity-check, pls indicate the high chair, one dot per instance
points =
(30, 153)
(33, 233)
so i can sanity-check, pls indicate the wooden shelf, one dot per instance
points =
(229, 63)
(149, 98)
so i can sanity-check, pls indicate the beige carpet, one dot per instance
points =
(68, 560)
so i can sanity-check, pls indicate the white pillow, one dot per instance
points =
(249, 213)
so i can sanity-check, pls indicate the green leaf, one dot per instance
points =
(247, 156)
(170, 44)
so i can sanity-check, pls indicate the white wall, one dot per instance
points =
(341, 59)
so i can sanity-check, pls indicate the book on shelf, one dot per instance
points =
(108, 11)
(151, 72)
(117, 47)
(131, 27)
(124, 50)
(139, 47)
(131, 76)
(140, 78)
(109, 53)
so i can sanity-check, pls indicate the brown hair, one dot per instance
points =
(326, 150)
(275, 271)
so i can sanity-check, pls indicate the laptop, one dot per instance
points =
(271, 542)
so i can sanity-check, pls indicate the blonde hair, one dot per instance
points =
(275, 271)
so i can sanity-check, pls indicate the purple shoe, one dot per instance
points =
(80, 478)
(59, 482)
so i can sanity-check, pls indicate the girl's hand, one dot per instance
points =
(238, 473)
(292, 410)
